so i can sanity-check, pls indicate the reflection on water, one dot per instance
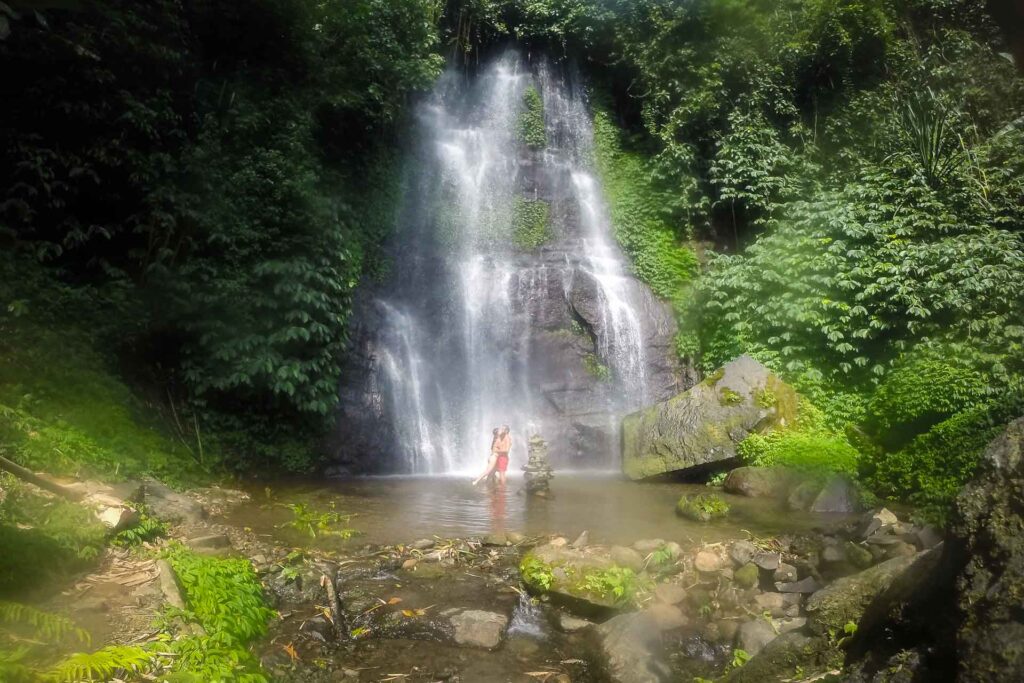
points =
(402, 509)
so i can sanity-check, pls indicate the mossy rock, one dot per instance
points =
(586, 581)
(702, 507)
(703, 425)
(844, 600)
(746, 576)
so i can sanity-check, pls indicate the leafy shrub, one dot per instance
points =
(225, 597)
(531, 225)
(530, 128)
(931, 469)
(921, 393)
(702, 507)
(811, 451)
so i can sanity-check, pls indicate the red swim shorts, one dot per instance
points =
(502, 463)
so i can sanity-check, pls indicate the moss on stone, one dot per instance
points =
(728, 397)
(531, 130)
(746, 576)
(596, 369)
(531, 222)
(702, 507)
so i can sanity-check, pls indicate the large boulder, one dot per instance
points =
(702, 426)
(988, 534)
(844, 600)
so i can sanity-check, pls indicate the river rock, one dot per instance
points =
(632, 647)
(669, 593)
(785, 573)
(767, 561)
(839, 495)
(477, 628)
(845, 599)
(171, 506)
(742, 552)
(802, 496)
(746, 576)
(772, 603)
(571, 624)
(760, 482)
(422, 544)
(648, 545)
(210, 542)
(567, 566)
(582, 540)
(627, 557)
(703, 425)
(805, 585)
(667, 617)
(781, 657)
(707, 562)
(754, 635)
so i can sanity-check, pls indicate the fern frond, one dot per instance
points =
(46, 625)
(101, 665)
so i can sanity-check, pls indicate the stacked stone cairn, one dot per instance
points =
(538, 472)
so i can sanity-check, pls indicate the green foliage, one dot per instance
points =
(530, 128)
(617, 583)
(596, 368)
(808, 445)
(313, 522)
(536, 573)
(42, 537)
(922, 392)
(702, 507)
(638, 214)
(728, 397)
(225, 597)
(63, 409)
(42, 625)
(931, 469)
(102, 664)
(147, 529)
(531, 222)
(221, 209)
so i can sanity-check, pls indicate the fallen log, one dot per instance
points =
(42, 482)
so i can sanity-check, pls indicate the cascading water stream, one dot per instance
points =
(477, 329)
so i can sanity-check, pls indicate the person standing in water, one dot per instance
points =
(502, 447)
(492, 458)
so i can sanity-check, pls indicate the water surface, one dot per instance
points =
(613, 509)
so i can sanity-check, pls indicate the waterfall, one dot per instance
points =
(474, 329)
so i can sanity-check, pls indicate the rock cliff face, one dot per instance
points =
(701, 427)
(476, 326)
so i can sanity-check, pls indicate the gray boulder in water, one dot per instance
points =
(703, 425)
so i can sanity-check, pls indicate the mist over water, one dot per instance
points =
(476, 331)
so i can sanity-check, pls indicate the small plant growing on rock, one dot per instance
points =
(728, 397)
(615, 582)
(596, 369)
(702, 508)
(536, 573)
(329, 523)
